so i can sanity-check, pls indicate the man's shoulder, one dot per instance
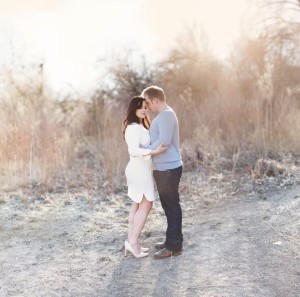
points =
(169, 113)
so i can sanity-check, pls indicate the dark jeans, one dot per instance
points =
(167, 183)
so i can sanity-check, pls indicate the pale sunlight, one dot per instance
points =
(72, 35)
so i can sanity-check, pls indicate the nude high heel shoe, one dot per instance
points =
(129, 248)
(143, 249)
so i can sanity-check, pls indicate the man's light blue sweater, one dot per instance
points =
(164, 129)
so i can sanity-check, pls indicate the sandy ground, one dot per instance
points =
(238, 242)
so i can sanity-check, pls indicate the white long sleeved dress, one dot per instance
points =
(139, 169)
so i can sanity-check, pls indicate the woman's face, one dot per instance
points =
(142, 112)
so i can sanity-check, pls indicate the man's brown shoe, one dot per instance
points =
(160, 245)
(164, 253)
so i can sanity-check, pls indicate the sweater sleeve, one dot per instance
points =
(165, 130)
(132, 137)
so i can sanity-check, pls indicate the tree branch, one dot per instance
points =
(281, 2)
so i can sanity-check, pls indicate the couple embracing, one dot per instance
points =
(154, 152)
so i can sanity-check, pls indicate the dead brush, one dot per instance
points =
(27, 147)
(193, 156)
(267, 167)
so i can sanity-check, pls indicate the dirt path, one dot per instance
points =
(248, 247)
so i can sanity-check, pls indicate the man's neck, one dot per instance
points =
(161, 107)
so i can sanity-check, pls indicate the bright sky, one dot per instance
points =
(73, 34)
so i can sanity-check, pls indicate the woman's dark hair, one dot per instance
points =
(135, 103)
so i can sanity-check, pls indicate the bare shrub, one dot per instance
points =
(28, 135)
(230, 116)
(266, 167)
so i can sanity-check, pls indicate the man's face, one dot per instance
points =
(150, 103)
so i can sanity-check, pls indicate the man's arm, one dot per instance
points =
(165, 129)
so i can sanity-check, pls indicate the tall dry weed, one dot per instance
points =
(58, 145)
(28, 147)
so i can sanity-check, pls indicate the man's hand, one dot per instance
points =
(159, 150)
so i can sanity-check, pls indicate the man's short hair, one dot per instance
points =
(154, 92)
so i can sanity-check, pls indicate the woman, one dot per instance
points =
(138, 172)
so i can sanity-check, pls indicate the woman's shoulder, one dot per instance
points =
(133, 127)
(134, 124)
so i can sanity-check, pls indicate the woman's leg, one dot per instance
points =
(132, 212)
(139, 222)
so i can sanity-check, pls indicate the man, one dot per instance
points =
(167, 169)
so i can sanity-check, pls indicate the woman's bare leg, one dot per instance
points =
(132, 212)
(139, 221)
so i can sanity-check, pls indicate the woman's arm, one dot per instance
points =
(132, 137)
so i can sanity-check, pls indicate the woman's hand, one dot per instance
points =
(159, 150)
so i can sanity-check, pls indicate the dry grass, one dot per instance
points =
(89, 151)
(264, 167)
(48, 145)
(230, 130)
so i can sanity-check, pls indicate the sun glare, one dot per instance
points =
(220, 20)
(73, 33)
